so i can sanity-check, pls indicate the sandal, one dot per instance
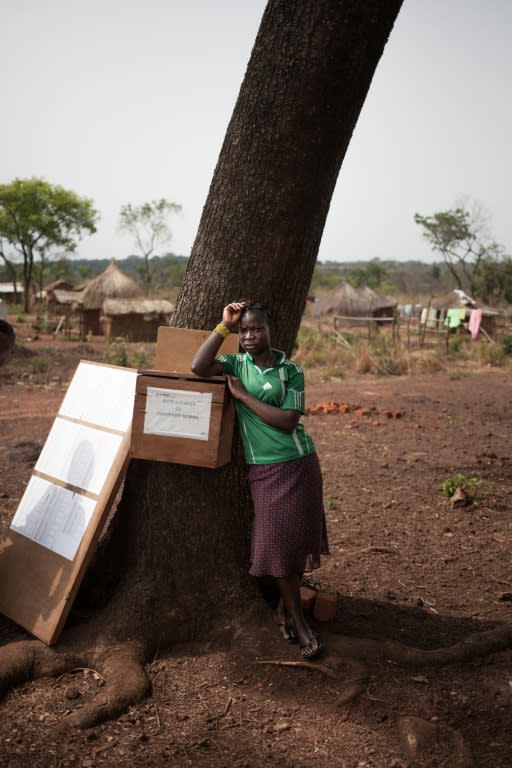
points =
(286, 627)
(312, 648)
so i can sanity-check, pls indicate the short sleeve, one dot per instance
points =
(294, 398)
(227, 362)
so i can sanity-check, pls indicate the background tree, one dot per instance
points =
(372, 275)
(59, 268)
(461, 237)
(147, 224)
(10, 268)
(494, 281)
(174, 565)
(36, 216)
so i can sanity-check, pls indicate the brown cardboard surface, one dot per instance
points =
(175, 348)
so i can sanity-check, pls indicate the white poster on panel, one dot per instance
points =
(177, 413)
(78, 454)
(53, 516)
(101, 395)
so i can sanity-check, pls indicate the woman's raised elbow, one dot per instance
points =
(200, 369)
(205, 369)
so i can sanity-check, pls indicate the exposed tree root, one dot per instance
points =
(121, 666)
(355, 683)
(30, 659)
(126, 684)
(357, 654)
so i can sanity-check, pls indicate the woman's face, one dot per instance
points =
(254, 332)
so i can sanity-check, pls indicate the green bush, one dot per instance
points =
(119, 355)
(451, 484)
(506, 345)
(139, 359)
(455, 345)
(38, 364)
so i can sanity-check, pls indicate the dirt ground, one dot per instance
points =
(404, 564)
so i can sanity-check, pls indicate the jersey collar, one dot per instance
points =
(280, 358)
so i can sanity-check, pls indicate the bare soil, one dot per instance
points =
(405, 565)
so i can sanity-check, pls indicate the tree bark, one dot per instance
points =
(260, 232)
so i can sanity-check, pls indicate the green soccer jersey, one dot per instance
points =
(282, 386)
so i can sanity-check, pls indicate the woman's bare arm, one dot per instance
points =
(204, 363)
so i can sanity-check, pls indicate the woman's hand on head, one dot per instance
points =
(231, 313)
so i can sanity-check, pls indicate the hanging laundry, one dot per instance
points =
(475, 319)
(454, 317)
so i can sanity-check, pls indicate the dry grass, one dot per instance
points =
(327, 354)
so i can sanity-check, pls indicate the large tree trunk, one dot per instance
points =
(181, 538)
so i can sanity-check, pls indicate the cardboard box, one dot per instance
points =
(179, 417)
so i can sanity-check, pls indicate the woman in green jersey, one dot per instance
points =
(289, 532)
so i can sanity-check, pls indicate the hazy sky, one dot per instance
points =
(129, 102)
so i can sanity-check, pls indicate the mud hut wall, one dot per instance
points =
(384, 312)
(132, 327)
(90, 322)
(488, 324)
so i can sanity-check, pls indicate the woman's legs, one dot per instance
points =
(289, 588)
(284, 621)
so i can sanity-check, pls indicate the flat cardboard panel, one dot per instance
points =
(175, 348)
(63, 511)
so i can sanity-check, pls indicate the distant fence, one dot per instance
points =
(342, 322)
(414, 329)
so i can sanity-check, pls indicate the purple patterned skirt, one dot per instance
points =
(289, 532)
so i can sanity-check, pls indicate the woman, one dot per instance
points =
(289, 532)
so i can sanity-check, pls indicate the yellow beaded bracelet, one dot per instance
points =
(222, 330)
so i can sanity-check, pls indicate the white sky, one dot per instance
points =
(129, 102)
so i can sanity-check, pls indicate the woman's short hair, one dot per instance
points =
(256, 306)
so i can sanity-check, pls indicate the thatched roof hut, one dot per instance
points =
(345, 301)
(59, 300)
(111, 284)
(135, 319)
(59, 285)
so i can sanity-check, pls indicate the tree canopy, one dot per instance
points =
(36, 216)
(461, 237)
(494, 281)
(147, 224)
